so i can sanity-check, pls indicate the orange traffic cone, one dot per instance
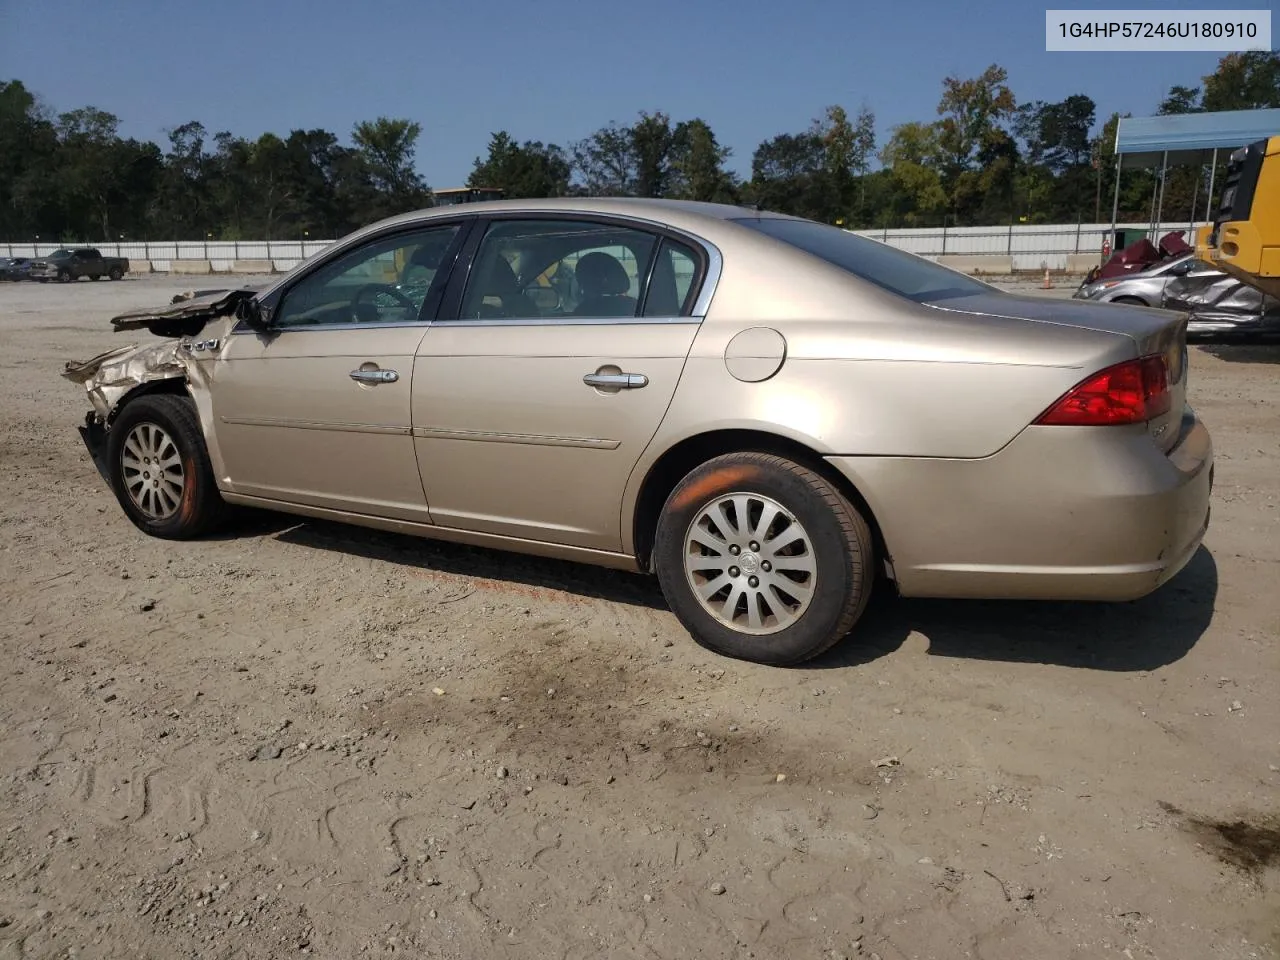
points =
(1048, 284)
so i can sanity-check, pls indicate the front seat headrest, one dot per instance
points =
(601, 275)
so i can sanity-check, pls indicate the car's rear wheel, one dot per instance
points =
(115, 273)
(763, 559)
(160, 470)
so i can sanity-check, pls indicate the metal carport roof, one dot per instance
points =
(1190, 137)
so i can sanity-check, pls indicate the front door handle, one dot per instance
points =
(374, 376)
(616, 381)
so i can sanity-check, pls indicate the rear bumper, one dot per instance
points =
(1061, 513)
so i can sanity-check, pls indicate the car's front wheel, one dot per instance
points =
(160, 469)
(763, 559)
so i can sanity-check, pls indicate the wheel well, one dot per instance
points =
(174, 385)
(676, 463)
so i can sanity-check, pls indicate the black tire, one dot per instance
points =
(201, 507)
(115, 273)
(1133, 301)
(842, 547)
(64, 276)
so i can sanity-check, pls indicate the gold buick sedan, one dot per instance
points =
(769, 414)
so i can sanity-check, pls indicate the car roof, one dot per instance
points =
(678, 213)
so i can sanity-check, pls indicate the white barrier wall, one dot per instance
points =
(221, 254)
(1031, 246)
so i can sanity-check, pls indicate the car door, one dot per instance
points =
(548, 372)
(317, 410)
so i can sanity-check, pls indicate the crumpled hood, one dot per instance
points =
(187, 313)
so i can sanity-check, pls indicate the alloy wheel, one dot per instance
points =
(151, 468)
(750, 563)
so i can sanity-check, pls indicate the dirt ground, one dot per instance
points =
(300, 738)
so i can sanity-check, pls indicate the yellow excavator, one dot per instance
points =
(1244, 239)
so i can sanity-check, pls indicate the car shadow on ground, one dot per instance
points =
(1141, 635)
(576, 579)
(1261, 352)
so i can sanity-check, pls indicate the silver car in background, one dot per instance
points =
(1218, 304)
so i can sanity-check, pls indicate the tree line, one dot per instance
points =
(985, 159)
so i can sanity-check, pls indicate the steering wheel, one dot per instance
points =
(357, 299)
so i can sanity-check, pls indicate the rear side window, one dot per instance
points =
(557, 269)
(894, 270)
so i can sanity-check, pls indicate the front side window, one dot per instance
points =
(553, 269)
(894, 270)
(388, 280)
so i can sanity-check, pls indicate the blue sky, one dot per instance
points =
(549, 70)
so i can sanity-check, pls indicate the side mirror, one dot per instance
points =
(254, 314)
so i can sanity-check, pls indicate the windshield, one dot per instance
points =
(895, 270)
(59, 254)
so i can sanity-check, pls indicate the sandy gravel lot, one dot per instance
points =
(300, 738)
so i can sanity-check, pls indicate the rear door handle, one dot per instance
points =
(616, 381)
(374, 376)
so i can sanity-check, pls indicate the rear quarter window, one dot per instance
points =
(897, 271)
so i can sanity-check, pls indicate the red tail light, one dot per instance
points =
(1131, 392)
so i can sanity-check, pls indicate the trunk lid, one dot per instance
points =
(1152, 330)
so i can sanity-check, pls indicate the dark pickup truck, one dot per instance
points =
(72, 264)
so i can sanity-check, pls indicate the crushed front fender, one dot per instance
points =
(109, 376)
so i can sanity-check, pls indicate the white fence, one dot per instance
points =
(157, 256)
(1028, 247)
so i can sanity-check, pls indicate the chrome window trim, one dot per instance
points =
(715, 265)
(567, 321)
(698, 313)
(241, 329)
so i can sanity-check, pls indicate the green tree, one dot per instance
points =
(652, 144)
(697, 165)
(523, 170)
(978, 155)
(789, 174)
(864, 148)
(1055, 174)
(605, 162)
(912, 158)
(387, 148)
(1181, 100)
(1244, 81)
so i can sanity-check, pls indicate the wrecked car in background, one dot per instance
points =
(766, 412)
(1217, 305)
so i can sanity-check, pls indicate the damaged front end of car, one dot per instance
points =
(193, 325)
